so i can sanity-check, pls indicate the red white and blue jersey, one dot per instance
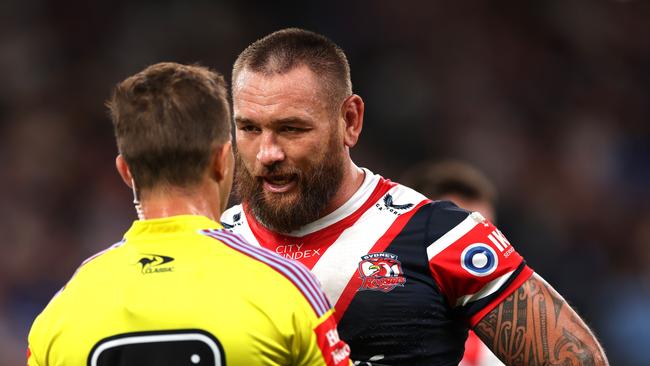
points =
(407, 275)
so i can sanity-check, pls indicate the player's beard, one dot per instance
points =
(286, 212)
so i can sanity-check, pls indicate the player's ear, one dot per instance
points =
(124, 171)
(222, 161)
(352, 112)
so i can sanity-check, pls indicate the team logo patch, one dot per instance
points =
(155, 263)
(380, 272)
(479, 259)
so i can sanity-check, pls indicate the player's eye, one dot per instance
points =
(292, 129)
(248, 128)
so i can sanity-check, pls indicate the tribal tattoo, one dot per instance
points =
(535, 326)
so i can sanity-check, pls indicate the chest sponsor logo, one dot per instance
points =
(296, 251)
(390, 206)
(380, 272)
(155, 263)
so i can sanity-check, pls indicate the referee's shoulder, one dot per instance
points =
(100, 257)
(293, 271)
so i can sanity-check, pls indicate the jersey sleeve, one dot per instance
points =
(31, 359)
(474, 264)
(318, 341)
(322, 345)
(34, 343)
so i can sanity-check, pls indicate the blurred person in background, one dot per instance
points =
(159, 296)
(408, 276)
(467, 187)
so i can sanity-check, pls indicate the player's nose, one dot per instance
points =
(270, 152)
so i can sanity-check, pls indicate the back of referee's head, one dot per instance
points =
(168, 119)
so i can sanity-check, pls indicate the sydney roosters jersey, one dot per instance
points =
(407, 275)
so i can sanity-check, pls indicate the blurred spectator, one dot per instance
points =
(454, 181)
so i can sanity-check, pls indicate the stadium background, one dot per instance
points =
(551, 99)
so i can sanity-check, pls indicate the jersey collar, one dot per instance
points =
(359, 197)
(172, 224)
(338, 218)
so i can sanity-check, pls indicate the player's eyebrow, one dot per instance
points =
(291, 120)
(243, 121)
(276, 122)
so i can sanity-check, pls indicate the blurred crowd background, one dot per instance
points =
(551, 99)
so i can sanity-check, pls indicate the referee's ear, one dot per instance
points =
(222, 162)
(123, 170)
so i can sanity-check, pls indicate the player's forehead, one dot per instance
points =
(300, 77)
(297, 91)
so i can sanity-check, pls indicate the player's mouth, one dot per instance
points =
(279, 183)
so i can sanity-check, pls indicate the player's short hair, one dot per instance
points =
(167, 119)
(438, 179)
(286, 49)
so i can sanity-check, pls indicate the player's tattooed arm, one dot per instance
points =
(535, 326)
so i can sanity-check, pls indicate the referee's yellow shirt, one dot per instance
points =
(183, 291)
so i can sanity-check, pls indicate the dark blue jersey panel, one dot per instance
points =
(410, 324)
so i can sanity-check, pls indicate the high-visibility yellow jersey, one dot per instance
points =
(183, 291)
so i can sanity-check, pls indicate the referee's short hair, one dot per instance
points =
(167, 119)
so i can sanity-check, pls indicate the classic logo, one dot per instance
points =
(392, 207)
(380, 272)
(152, 263)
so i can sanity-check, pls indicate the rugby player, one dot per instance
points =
(408, 276)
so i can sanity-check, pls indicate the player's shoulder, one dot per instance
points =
(437, 217)
(400, 195)
(233, 217)
(445, 214)
(393, 200)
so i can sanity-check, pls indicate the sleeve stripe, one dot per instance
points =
(295, 272)
(452, 236)
(119, 243)
(487, 290)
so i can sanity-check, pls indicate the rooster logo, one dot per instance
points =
(380, 272)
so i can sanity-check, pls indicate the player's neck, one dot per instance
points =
(177, 201)
(352, 179)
